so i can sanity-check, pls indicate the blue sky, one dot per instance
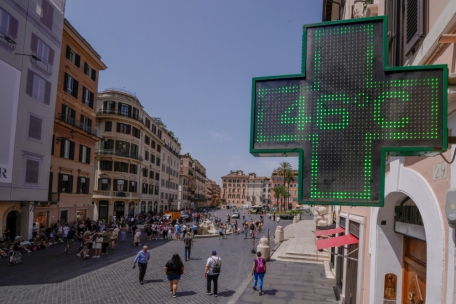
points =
(192, 63)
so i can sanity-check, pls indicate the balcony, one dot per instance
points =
(120, 113)
(128, 195)
(118, 153)
(77, 124)
(45, 67)
(7, 39)
(170, 150)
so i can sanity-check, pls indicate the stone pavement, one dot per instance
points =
(294, 275)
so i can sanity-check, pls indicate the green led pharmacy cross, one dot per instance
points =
(347, 111)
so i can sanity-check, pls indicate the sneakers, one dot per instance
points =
(78, 255)
(174, 296)
(208, 293)
(260, 293)
(254, 288)
(215, 295)
(141, 282)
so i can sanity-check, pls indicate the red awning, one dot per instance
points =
(329, 231)
(337, 241)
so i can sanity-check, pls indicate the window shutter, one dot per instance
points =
(118, 127)
(65, 82)
(87, 185)
(80, 153)
(94, 75)
(68, 51)
(77, 60)
(62, 148)
(414, 23)
(83, 94)
(59, 189)
(35, 125)
(88, 156)
(85, 68)
(51, 56)
(75, 88)
(13, 27)
(47, 93)
(128, 129)
(34, 43)
(70, 182)
(29, 89)
(71, 150)
(91, 95)
(89, 122)
(78, 185)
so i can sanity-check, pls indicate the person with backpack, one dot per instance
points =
(188, 241)
(212, 272)
(258, 272)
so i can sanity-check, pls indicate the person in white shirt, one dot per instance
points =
(212, 272)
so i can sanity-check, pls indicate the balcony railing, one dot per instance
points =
(119, 153)
(120, 113)
(116, 194)
(170, 150)
(76, 123)
(46, 67)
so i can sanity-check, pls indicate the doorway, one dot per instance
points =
(103, 207)
(414, 271)
(119, 209)
(13, 224)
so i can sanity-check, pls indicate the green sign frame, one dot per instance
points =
(385, 150)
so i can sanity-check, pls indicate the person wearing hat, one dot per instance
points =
(188, 242)
(212, 272)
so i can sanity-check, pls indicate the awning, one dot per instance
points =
(337, 241)
(329, 231)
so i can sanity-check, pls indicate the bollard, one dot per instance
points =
(279, 234)
(298, 218)
(295, 219)
(264, 248)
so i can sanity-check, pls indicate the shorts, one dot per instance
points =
(173, 277)
(70, 241)
(220, 233)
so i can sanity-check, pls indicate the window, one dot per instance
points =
(157, 190)
(84, 154)
(87, 97)
(163, 168)
(106, 165)
(136, 133)
(108, 144)
(121, 167)
(42, 51)
(161, 195)
(133, 187)
(152, 144)
(158, 161)
(73, 57)
(8, 25)
(104, 184)
(147, 123)
(157, 176)
(144, 172)
(68, 114)
(108, 126)
(70, 86)
(86, 123)
(91, 73)
(154, 129)
(146, 139)
(151, 189)
(83, 185)
(32, 171)
(144, 188)
(152, 158)
(134, 150)
(123, 128)
(162, 182)
(133, 169)
(38, 88)
(65, 183)
(159, 134)
(47, 14)
(35, 125)
(67, 149)
(135, 113)
(159, 148)
(121, 185)
(151, 174)
(146, 155)
(123, 109)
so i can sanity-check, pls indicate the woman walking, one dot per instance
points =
(174, 268)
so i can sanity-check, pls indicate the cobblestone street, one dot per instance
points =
(51, 276)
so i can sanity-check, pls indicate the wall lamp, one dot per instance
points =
(8, 39)
(58, 140)
(29, 55)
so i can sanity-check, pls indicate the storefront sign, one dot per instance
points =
(346, 111)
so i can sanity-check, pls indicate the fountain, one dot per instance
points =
(208, 229)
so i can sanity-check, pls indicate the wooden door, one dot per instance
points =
(414, 271)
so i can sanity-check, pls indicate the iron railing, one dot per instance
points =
(120, 113)
(76, 123)
(119, 153)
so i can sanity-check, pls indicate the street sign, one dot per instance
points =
(347, 111)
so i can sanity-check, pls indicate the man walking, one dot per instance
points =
(70, 239)
(258, 271)
(142, 258)
(212, 271)
(188, 241)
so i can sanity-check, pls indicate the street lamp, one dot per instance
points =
(29, 55)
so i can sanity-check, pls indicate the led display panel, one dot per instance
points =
(346, 111)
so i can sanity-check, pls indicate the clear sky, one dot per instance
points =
(191, 62)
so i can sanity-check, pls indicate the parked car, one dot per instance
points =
(235, 215)
(286, 216)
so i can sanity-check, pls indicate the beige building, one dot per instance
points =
(234, 189)
(258, 190)
(405, 251)
(212, 193)
(186, 182)
(71, 179)
(128, 158)
(170, 168)
(30, 42)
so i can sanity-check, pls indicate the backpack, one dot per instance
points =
(216, 268)
(259, 266)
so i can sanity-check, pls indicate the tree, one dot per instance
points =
(289, 177)
(279, 191)
(283, 170)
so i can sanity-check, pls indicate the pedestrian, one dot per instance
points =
(34, 230)
(70, 239)
(97, 245)
(174, 268)
(258, 271)
(106, 239)
(16, 254)
(137, 237)
(246, 229)
(251, 228)
(212, 272)
(177, 231)
(188, 241)
(123, 234)
(195, 229)
(184, 230)
(142, 258)
(221, 232)
(85, 244)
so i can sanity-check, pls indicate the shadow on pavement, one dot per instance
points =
(53, 265)
(226, 293)
(270, 292)
(185, 293)
(153, 281)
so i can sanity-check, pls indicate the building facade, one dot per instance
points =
(128, 157)
(406, 250)
(72, 169)
(30, 42)
(170, 168)
(234, 186)
(186, 182)
(258, 190)
(212, 193)
(291, 184)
